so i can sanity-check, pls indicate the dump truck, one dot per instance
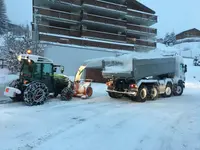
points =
(145, 78)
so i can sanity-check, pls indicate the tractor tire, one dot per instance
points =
(89, 91)
(178, 91)
(36, 93)
(168, 90)
(142, 94)
(67, 94)
(18, 97)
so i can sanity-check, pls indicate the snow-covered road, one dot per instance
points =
(102, 123)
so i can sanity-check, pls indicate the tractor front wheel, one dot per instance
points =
(67, 94)
(36, 93)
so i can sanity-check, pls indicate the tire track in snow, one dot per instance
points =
(171, 133)
(66, 126)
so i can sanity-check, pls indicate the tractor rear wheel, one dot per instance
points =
(67, 94)
(16, 84)
(36, 93)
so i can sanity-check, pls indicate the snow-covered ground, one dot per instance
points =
(102, 123)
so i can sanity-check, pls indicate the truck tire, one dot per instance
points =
(153, 93)
(36, 93)
(67, 94)
(142, 94)
(178, 91)
(168, 90)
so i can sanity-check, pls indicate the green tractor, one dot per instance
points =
(37, 80)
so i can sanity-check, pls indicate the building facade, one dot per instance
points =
(111, 24)
(192, 33)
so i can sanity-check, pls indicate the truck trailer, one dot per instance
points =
(145, 78)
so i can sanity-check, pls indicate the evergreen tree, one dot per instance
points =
(3, 18)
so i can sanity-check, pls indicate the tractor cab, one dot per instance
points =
(37, 68)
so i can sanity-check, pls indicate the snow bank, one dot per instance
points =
(188, 49)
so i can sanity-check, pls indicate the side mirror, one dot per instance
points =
(62, 70)
(54, 69)
(185, 68)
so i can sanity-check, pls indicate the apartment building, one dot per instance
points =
(77, 30)
(112, 24)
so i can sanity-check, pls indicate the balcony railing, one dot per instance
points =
(75, 2)
(106, 5)
(57, 14)
(141, 29)
(103, 35)
(105, 20)
(141, 42)
(141, 15)
(57, 30)
(84, 42)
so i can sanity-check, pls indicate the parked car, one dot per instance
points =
(196, 61)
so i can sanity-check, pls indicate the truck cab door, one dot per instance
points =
(47, 76)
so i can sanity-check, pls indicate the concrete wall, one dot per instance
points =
(72, 57)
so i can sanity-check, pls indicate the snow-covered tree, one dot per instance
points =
(166, 39)
(3, 18)
(16, 45)
(170, 39)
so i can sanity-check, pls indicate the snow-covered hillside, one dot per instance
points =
(187, 49)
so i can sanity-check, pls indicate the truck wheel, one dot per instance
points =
(168, 90)
(178, 90)
(142, 94)
(18, 97)
(154, 93)
(36, 93)
(66, 94)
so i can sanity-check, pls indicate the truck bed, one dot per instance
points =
(142, 68)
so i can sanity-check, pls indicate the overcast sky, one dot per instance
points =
(173, 15)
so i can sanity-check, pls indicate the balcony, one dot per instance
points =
(104, 7)
(45, 12)
(140, 17)
(86, 42)
(57, 30)
(141, 30)
(62, 5)
(73, 2)
(103, 35)
(104, 20)
(141, 42)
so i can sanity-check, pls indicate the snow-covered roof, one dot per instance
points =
(36, 58)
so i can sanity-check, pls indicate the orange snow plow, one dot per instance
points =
(82, 87)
